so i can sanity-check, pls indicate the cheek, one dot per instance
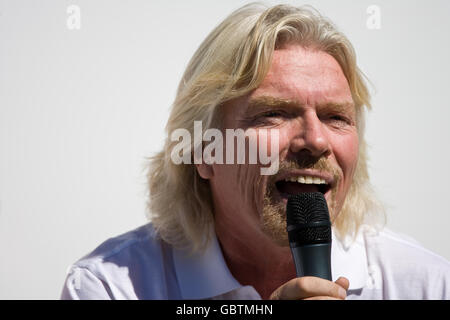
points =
(226, 178)
(283, 136)
(345, 149)
(237, 182)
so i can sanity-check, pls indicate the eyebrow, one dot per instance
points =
(268, 101)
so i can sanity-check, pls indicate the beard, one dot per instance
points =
(273, 213)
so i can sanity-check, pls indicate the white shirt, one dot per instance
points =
(139, 265)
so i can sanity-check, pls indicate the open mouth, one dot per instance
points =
(299, 184)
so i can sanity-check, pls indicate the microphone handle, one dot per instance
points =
(313, 260)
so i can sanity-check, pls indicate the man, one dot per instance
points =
(218, 230)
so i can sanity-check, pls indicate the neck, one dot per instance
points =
(254, 259)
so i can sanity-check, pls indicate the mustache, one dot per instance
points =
(308, 162)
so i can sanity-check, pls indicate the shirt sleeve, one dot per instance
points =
(82, 284)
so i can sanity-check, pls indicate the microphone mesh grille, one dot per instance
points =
(310, 235)
(306, 208)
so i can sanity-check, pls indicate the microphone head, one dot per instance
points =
(308, 219)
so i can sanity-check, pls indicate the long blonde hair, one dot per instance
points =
(232, 61)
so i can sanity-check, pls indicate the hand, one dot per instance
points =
(312, 288)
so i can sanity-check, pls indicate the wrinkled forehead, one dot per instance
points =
(305, 75)
(298, 77)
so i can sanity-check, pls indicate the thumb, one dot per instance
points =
(343, 282)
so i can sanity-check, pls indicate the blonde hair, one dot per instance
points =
(232, 61)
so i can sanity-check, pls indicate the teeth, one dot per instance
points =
(306, 180)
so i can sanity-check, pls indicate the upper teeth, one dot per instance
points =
(306, 180)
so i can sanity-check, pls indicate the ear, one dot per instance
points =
(205, 170)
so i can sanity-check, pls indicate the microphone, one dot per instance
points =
(309, 233)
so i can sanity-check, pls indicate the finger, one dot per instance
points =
(322, 298)
(306, 287)
(343, 282)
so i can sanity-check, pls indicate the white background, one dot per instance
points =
(81, 109)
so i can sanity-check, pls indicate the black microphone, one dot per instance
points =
(309, 233)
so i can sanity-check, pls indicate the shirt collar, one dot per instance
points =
(349, 259)
(205, 275)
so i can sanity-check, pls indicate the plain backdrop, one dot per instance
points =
(81, 109)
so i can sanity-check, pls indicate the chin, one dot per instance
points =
(274, 213)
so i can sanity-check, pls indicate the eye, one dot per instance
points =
(338, 120)
(269, 117)
(275, 114)
(272, 114)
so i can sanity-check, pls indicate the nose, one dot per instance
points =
(310, 137)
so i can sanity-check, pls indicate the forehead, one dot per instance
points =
(308, 76)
